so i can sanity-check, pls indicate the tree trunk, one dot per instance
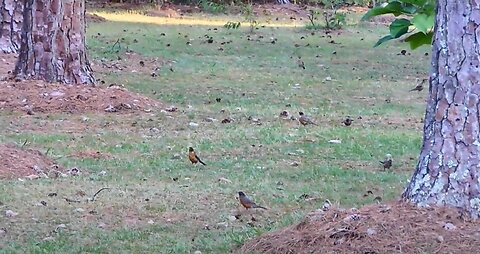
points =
(10, 28)
(53, 42)
(448, 170)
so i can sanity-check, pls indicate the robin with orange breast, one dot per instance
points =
(192, 156)
(246, 202)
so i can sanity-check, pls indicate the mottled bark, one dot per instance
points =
(10, 25)
(449, 165)
(53, 42)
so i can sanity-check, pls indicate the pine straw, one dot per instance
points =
(391, 228)
(19, 162)
(39, 96)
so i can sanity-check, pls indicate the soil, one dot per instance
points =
(18, 162)
(383, 228)
(94, 18)
(33, 96)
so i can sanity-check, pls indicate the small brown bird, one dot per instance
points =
(348, 121)
(387, 163)
(419, 87)
(246, 202)
(301, 63)
(305, 120)
(192, 156)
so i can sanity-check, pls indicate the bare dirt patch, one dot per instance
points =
(34, 96)
(94, 18)
(17, 162)
(387, 228)
(131, 62)
(91, 154)
(37, 96)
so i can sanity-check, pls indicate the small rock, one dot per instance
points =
(101, 225)
(295, 164)
(151, 222)
(59, 227)
(440, 239)
(154, 130)
(335, 141)
(85, 119)
(210, 120)
(326, 205)
(193, 125)
(449, 226)
(328, 78)
(48, 238)
(232, 218)
(197, 252)
(176, 156)
(225, 180)
(10, 213)
(221, 225)
(57, 94)
(3, 231)
(79, 210)
(32, 177)
(371, 231)
(111, 109)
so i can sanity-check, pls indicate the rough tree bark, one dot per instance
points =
(53, 42)
(448, 171)
(10, 25)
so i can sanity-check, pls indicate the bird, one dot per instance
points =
(246, 202)
(348, 121)
(301, 63)
(192, 156)
(387, 163)
(419, 87)
(305, 120)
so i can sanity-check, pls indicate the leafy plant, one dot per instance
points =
(333, 18)
(249, 16)
(416, 22)
(313, 17)
(211, 7)
(232, 25)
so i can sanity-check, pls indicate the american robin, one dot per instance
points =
(192, 156)
(305, 120)
(419, 87)
(348, 121)
(387, 163)
(246, 202)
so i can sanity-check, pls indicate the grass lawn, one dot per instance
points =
(158, 201)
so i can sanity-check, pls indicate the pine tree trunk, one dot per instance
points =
(448, 170)
(10, 25)
(53, 42)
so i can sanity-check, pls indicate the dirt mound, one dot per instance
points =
(94, 18)
(388, 228)
(17, 162)
(38, 96)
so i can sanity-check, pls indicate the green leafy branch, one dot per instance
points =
(416, 21)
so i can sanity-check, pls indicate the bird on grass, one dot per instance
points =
(305, 120)
(387, 163)
(419, 87)
(192, 156)
(247, 203)
(348, 121)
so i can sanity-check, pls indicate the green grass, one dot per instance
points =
(146, 211)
